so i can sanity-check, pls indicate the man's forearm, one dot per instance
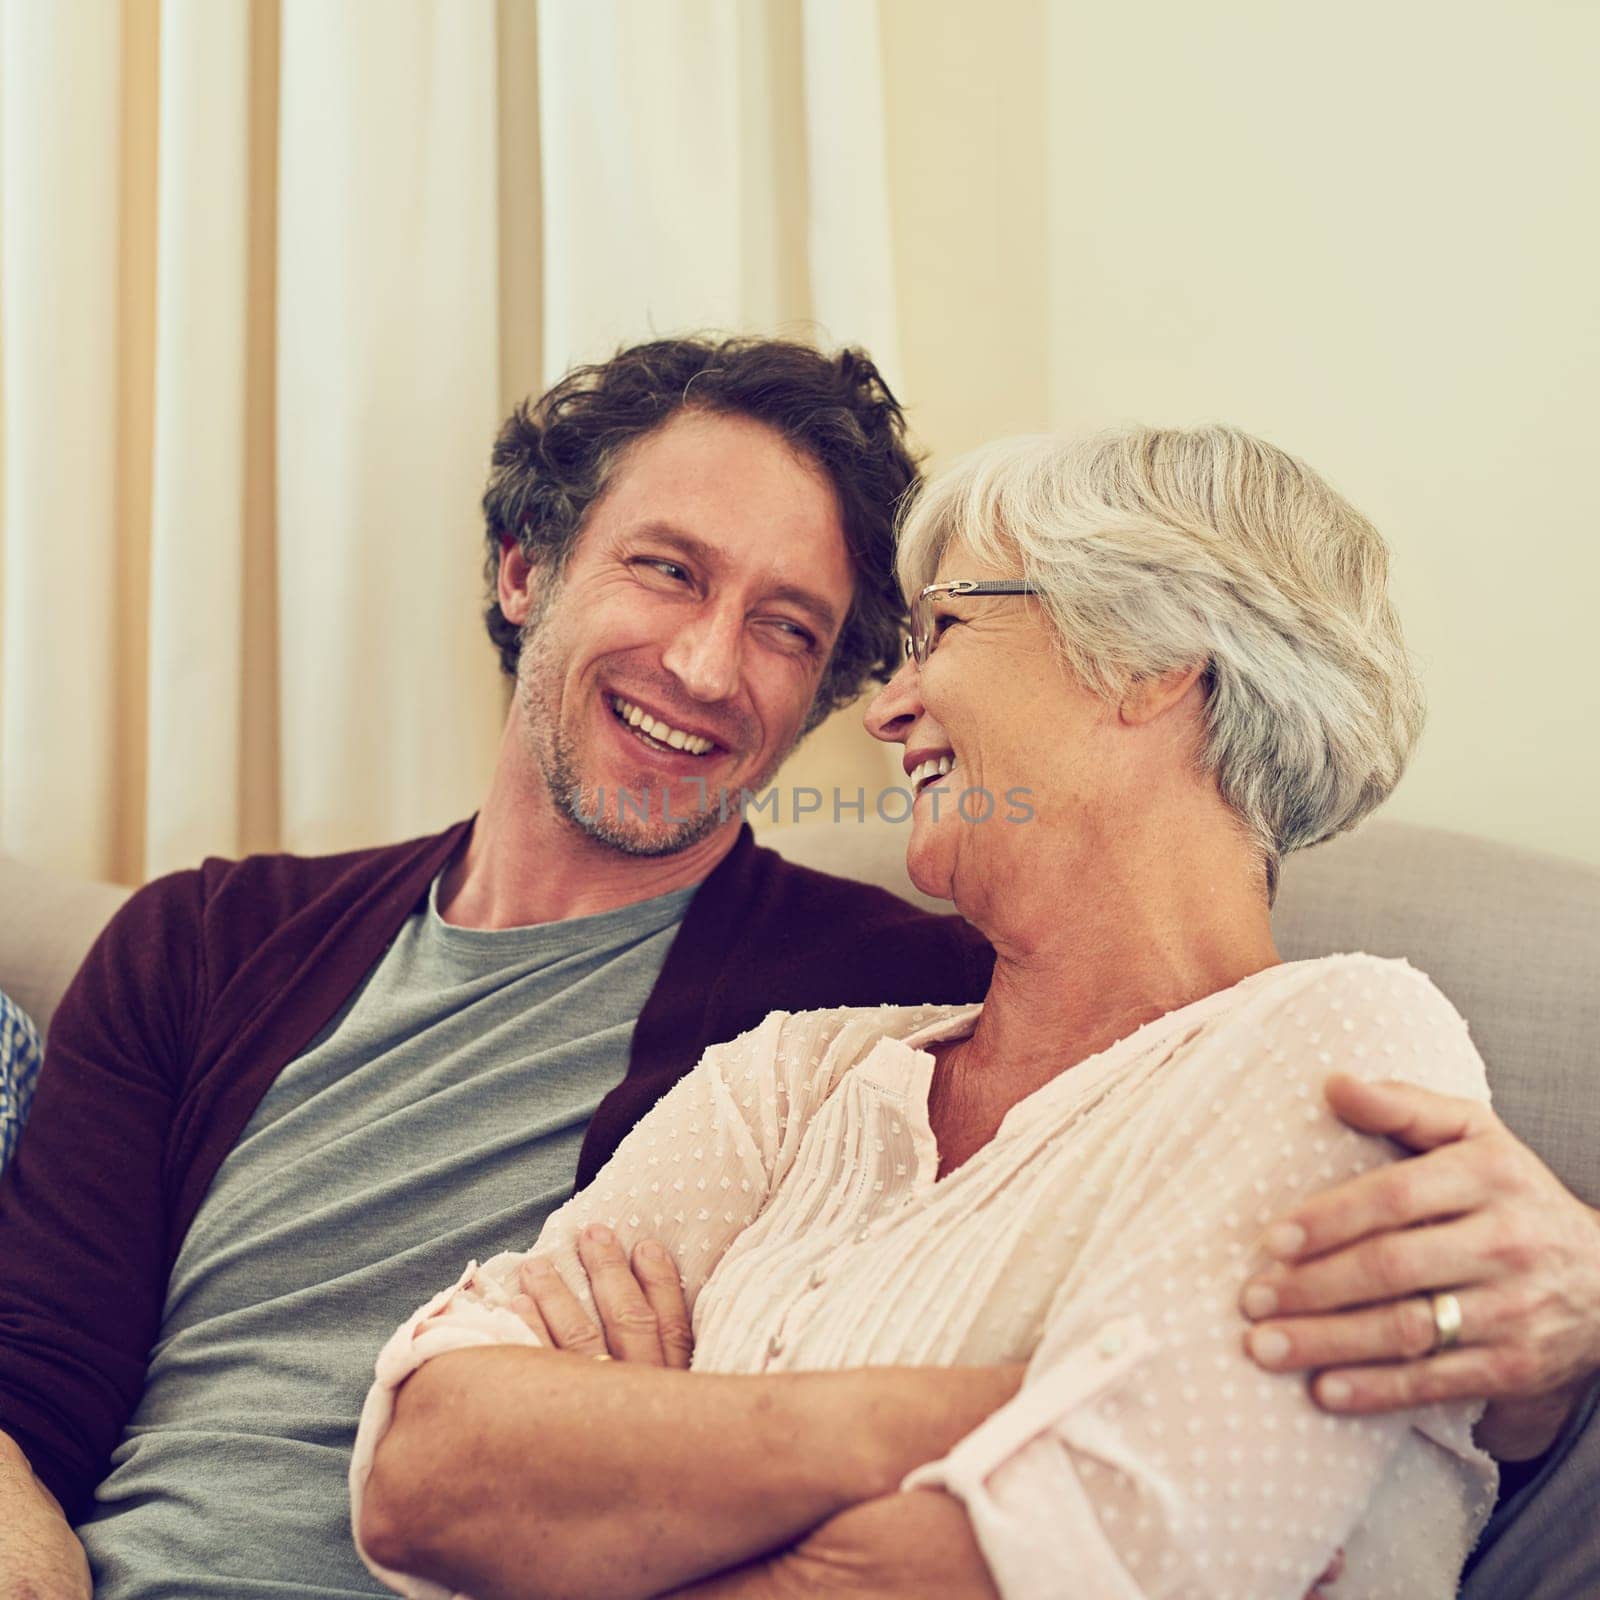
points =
(40, 1557)
(513, 1471)
(1521, 1428)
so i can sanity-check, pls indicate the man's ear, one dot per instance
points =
(518, 584)
(1149, 698)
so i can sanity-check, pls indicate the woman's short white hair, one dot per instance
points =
(1155, 548)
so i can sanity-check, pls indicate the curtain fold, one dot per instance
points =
(851, 251)
(60, 115)
(387, 401)
(650, 119)
(197, 532)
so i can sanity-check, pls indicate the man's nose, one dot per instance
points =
(896, 706)
(705, 654)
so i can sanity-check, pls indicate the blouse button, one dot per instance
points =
(818, 1277)
(775, 1346)
(1110, 1345)
(863, 1235)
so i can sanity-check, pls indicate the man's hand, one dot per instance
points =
(40, 1557)
(643, 1315)
(1474, 1213)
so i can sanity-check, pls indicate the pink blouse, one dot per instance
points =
(1102, 1236)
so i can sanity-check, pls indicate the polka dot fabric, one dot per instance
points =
(1102, 1236)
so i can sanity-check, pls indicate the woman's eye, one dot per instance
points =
(942, 621)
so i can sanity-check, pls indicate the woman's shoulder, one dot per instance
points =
(1369, 1016)
(1355, 983)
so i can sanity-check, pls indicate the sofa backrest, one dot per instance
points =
(1511, 936)
(47, 923)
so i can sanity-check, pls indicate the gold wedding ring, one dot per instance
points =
(605, 1355)
(1446, 1311)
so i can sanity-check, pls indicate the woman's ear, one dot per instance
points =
(1149, 698)
(518, 583)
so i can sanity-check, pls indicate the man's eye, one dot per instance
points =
(674, 571)
(794, 635)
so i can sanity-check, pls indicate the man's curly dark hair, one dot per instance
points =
(554, 457)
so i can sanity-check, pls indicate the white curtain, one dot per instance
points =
(387, 402)
(270, 273)
(59, 123)
(197, 534)
(716, 162)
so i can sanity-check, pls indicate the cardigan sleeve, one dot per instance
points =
(83, 1205)
(1145, 1453)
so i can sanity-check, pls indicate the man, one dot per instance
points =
(282, 1095)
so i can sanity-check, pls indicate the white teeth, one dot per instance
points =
(663, 733)
(934, 767)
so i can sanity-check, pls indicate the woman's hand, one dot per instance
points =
(1474, 1214)
(643, 1314)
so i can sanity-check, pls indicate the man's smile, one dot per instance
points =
(656, 732)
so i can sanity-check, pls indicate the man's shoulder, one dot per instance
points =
(299, 878)
(252, 914)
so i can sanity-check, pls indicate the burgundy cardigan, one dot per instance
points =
(207, 983)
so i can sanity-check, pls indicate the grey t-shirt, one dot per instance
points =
(437, 1119)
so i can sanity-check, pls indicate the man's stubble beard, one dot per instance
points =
(539, 673)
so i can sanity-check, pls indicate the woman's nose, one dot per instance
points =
(896, 706)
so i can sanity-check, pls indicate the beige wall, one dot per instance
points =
(1368, 234)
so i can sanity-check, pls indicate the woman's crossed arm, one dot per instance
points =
(512, 1471)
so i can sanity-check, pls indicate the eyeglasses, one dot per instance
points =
(920, 645)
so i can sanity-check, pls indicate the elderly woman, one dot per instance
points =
(1179, 644)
